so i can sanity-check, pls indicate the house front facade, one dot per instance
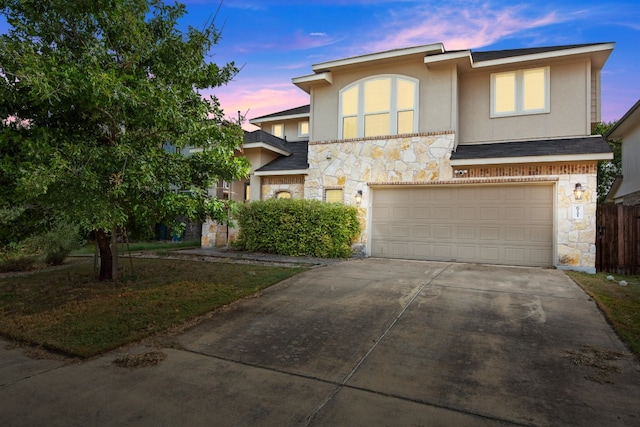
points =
(626, 188)
(453, 155)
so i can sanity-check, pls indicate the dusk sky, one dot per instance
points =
(276, 40)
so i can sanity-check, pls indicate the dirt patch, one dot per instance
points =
(140, 360)
(600, 360)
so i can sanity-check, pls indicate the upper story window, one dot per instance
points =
(278, 130)
(303, 128)
(384, 105)
(520, 92)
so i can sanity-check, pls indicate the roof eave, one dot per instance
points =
(434, 60)
(278, 118)
(282, 172)
(307, 82)
(532, 159)
(592, 49)
(389, 54)
(266, 146)
(630, 118)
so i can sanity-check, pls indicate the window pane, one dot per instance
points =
(278, 130)
(283, 195)
(247, 192)
(304, 128)
(350, 101)
(377, 95)
(405, 122)
(534, 89)
(349, 127)
(505, 92)
(406, 94)
(333, 196)
(376, 124)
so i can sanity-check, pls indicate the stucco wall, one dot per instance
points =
(569, 94)
(435, 89)
(630, 163)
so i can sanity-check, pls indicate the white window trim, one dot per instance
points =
(393, 112)
(300, 134)
(519, 93)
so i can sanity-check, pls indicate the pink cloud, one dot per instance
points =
(459, 28)
(259, 99)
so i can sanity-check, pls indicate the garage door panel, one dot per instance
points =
(443, 232)
(502, 224)
(400, 232)
(513, 234)
(421, 231)
(489, 233)
(466, 232)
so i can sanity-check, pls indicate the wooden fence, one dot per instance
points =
(618, 239)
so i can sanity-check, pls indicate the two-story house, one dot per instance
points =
(450, 155)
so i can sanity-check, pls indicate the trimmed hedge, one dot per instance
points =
(296, 227)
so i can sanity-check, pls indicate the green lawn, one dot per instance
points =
(67, 310)
(620, 304)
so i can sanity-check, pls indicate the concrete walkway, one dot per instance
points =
(362, 342)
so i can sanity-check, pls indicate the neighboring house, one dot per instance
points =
(278, 168)
(450, 155)
(626, 189)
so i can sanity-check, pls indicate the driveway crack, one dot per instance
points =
(348, 377)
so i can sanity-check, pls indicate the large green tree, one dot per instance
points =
(91, 91)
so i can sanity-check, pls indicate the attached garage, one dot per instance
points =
(508, 224)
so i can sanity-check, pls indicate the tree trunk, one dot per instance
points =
(106, 269)
(114, 254)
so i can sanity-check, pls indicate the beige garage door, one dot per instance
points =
(502, 224)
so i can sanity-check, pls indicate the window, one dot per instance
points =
(333, 195)
(247, 191)
(283, 195)
(278, 130)
(520, 92)
(303, 128)
(379, 106)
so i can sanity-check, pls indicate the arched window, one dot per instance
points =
(378, 106)
(283, 195)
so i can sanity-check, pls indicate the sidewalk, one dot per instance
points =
(225, 253)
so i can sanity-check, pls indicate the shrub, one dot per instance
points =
(15, 257)
(56, 243)
(298, 228)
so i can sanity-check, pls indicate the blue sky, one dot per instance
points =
(276, 40)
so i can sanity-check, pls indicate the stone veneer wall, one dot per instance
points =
(425, 159)
(272, 185)
(576, 237)
(353, 163)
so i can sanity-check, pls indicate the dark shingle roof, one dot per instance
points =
(548, 147)
(305, 109)
(296, 161)
(265, 137)
(508, 53)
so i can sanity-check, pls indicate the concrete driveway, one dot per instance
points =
(363, 342)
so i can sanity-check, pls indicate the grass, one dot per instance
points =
(68, 311)
(620, 304)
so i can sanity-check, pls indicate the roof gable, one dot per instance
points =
(291, 113)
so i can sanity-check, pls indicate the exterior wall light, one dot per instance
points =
(358, 197)
(578, 191)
